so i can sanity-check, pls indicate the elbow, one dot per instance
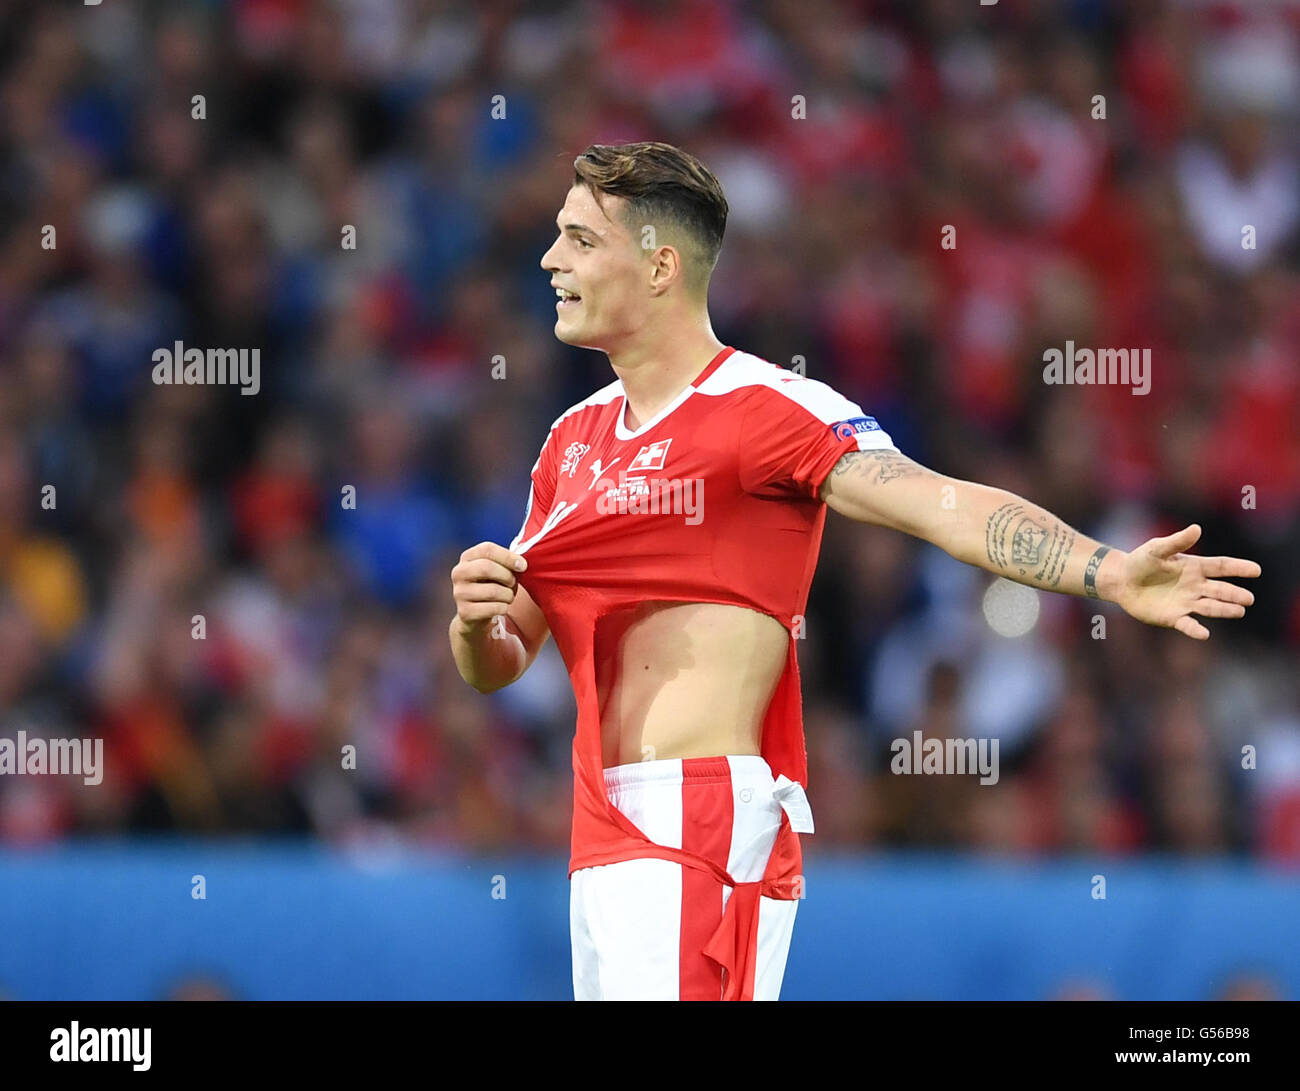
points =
(481, 685)
(487, 686)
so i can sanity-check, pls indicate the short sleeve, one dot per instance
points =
(541, 492)
(792, 435)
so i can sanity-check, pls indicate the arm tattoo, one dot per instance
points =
(877, 467)
(1090, 573)
(1013, 538)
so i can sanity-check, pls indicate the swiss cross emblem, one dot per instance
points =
(572, 456)
(649, 458)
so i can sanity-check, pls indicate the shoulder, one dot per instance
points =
(600, 398)
(592, 403)
(769, 388)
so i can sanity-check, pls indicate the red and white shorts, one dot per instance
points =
(639, 926)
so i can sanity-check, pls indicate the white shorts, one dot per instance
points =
(639, 926)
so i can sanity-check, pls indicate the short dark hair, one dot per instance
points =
(661, 183)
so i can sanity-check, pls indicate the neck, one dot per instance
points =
(658, 368)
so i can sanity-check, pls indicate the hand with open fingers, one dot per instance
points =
(1164, 585)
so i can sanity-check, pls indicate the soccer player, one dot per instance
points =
(672, 529)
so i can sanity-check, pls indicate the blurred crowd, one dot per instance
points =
(181, 577)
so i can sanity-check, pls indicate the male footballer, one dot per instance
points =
(672, 529)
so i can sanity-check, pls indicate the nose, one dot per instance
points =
(548, 261)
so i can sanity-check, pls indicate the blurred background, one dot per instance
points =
(326, 627)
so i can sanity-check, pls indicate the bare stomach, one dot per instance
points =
(685, 680)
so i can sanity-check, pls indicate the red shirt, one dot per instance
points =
(715, 499)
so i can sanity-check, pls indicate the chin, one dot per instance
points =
(575, 337)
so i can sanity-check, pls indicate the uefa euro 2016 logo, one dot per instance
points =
(847, 429)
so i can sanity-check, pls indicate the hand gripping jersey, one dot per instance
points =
(716, 500)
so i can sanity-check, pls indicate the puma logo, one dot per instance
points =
(597, 468)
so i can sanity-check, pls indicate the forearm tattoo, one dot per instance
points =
(1015, 538)
(877, 467)
(1090, 573)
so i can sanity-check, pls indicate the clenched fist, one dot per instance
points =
(483, 584)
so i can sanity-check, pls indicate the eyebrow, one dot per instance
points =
(577, 227)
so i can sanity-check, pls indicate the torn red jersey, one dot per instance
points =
(715, 499)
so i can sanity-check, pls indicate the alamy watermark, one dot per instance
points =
(38, 755)
(955, 757)
(180, 366)
(1104, 367)
(652, 496)
(114, 1044)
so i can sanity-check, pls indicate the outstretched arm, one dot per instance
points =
(1157, 583)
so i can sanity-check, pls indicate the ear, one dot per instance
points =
(665, 268)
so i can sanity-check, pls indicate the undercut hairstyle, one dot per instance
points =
(662, 185)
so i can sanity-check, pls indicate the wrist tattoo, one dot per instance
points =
(1090, 573)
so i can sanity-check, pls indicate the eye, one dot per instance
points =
(584, 244)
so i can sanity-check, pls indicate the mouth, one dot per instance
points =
(565, 299)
